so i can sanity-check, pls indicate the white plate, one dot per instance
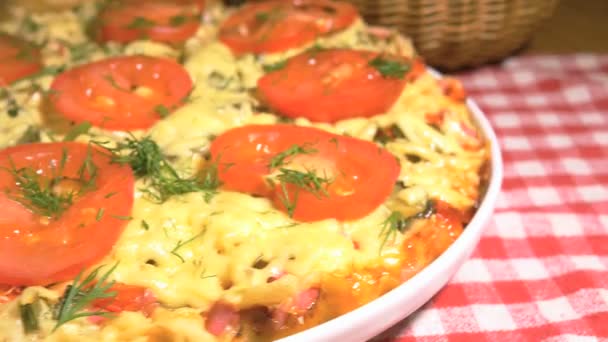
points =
(373, 318)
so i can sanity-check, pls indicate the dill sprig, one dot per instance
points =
(46, 196)
(397, 223)
(162, 179)
(79, 296)
(390, 68)
(181, 244)
(308, 181)
(283, 157)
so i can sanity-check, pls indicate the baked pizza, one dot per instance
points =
(181, 170)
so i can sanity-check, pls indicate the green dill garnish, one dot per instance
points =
(390, 68)
(178, 20)
(397, 223)
(145, 225)
(30, 135)
(262, 16)
(78, 130)
(29, 24)
(110, 194)
(79, 51)
(121, 217)
(181, 244)
(13, 108)
(13, 111)
(204, 276)
(275, 66)
(140, 23)
(280, 158)
(308, 181)
(162, 180)
(78, 297)
(29, 318)
(162, 111)
(99, 214)
(113, 83)
(387, 134)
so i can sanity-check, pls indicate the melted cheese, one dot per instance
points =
(195, 252)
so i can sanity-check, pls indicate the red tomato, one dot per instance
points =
(18, 59)
(39, 250)
(360, 174)
(128, 298)
(332, 85)
(170, 21)
(274, 26)
(121, 93)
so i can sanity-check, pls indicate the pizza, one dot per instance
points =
(180, 170)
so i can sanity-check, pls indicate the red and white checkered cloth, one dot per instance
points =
(540, 271)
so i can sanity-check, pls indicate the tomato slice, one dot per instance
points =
(169, 21)
(18, 59)
(332, 85)
(274, 26)
(128, 298)
(37, 249)
(356, 176)
(121, 93)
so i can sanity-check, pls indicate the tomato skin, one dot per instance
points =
(105, 93)
(17, 59)
(128, 298)
(276, 25)
(36, 250)
(331, 85)
(131, 20)
(362, 174)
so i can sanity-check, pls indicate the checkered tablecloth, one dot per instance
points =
(540, 271)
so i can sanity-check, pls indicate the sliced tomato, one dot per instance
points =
(332, 85)
(121, 93)
(39, 250)
(18, 59)
(274, 26)
(128, 298)
(359, 175)
(169, 21)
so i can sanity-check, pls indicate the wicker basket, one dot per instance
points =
(452, 34)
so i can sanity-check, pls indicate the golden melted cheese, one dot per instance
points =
(195, 252)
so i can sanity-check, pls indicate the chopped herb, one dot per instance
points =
(181, 244)
(99, 214)
(121, 217)
(110, 194)
(281, 158)
(79, 296)
(397, 223)
(80, 51)
(140, 23)
(308, 181)
(262, 16)
(203, 276)
(113, 83)
(387, 134)
(30, 135)
(390, 68)
(29, 318)
(162, 180)
(145, 225)
(275, 67)
(29, 24)
(78, 130)
(178, 20)
(13, 111)
(162, 111)
(334, 141)
(51, 70)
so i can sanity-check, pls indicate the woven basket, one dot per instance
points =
(452, 34)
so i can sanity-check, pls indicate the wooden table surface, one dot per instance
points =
(576, 26)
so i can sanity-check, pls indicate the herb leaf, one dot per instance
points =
(163, 181)
(308, 181)
(275, 66)
(81, 294)
(390, 68)
(29, 318)
(181, 244)
(78, 130)
(162, 111)
(281, 158)
(178, 20)
(397, 223)
(140, 23)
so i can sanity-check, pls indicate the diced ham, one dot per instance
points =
(221, 318)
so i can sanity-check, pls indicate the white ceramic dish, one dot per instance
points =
(373, 318)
